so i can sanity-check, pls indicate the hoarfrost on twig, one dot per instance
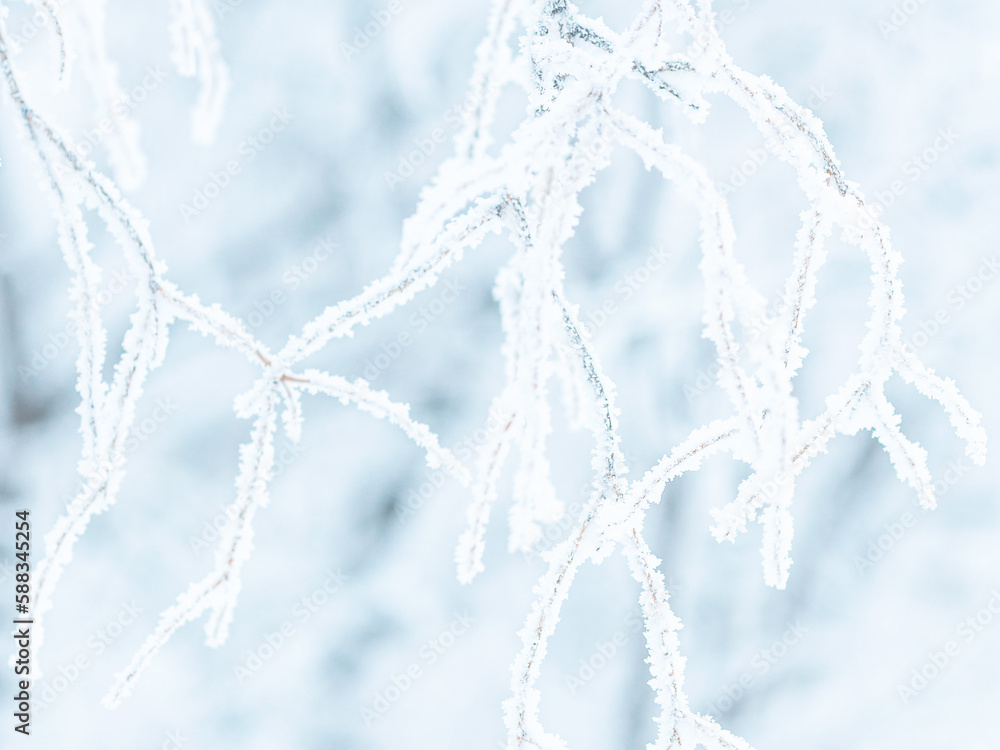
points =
(569, 65)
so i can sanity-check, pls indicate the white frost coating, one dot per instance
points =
(196, 53)
(62, 50)
(379, 404)
(469, 551)
(108, 409)
(396, 288)
(492, 71)
(728, 295)
(966, 420)
(909, 459)
(569, 65)
(189, 606)
(121, 138)
(236, 537)
(678, 725)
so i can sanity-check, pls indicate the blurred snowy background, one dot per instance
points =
(352, 580)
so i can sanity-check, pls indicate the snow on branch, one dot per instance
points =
(196, 53)
(121, 134)
(569, 65)
(63, 51)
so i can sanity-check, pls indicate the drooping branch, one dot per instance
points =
(570, 66)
